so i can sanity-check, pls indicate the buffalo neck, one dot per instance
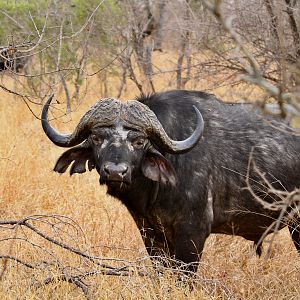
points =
(139, 197)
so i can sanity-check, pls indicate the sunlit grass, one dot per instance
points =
(229, 267)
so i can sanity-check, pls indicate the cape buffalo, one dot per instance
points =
(180, 162)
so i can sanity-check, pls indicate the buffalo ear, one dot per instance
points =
(80, 155)
(157, 168)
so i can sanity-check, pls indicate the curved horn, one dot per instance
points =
(189, 143)
(186, 145)
(61, 140)
(143, 117)
(107, 111)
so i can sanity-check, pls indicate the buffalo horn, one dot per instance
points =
(135, 114)
(143, 117)
(59, 139)
(177, 147)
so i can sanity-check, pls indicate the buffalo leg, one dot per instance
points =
(156, 243)
(295, 233)
(188, 247)
(258, 247)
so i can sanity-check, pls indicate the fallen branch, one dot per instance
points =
(63, 227)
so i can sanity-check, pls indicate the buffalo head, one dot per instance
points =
(121, 140)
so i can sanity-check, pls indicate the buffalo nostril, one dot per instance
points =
(106, 170)
(113, 169)
(124, 171)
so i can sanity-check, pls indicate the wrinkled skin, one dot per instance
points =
(177, 200)
(120, 157)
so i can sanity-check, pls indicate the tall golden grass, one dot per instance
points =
(103, 227)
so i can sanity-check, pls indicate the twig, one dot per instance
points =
(6, 257)
(254, 73)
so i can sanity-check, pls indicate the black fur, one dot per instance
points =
(211, 194)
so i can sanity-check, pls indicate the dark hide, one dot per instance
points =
(209, 193)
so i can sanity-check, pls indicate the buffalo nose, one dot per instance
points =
(112, 169)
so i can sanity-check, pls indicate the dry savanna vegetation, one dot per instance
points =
(63, 237)
(76, 211)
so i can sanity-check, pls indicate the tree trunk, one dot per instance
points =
(290, 4)
(184, 53)
(142, 44)
(274, 19)
(159, 28)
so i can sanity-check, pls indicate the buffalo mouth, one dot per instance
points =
(114, 183)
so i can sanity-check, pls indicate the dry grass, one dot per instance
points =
(229, 267)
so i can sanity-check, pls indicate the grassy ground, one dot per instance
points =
(101, 226)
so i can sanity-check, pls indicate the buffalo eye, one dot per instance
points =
(97, 140)
(139, 142)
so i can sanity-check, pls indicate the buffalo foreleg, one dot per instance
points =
(189, 245)
(156, 243)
